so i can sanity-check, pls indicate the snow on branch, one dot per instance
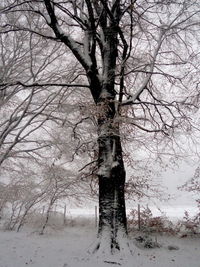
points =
(67, 40)
(149, 73)
(43, 84)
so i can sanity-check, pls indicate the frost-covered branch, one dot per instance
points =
(42, 85)
(149, 74)
(67, 40)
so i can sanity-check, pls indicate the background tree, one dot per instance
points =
(193, 186)
(28, 147)
(140, 60)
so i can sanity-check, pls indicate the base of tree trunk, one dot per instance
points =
(105, 246)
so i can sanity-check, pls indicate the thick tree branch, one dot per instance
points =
(42, 85)
(67, 40)
(149, 74)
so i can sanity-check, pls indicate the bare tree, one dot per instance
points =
(61, 185)
(140, 59)
(26, 109)
(193, 186)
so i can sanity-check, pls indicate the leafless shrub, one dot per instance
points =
(189, 225)
(148, 223)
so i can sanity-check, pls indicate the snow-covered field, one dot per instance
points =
(68, 247)
(172, 212)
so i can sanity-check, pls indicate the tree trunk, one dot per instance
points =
(111, 174)
(111, 171)
(112, 212)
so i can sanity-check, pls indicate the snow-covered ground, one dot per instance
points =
(68, 247)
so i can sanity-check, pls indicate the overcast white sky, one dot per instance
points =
(173, 179)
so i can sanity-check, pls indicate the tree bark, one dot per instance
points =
(111, 175)
(112, 212)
